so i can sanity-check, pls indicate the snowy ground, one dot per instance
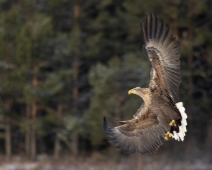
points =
(37, 166)
(98, 162)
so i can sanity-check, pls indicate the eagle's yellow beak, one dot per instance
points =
(130, 91)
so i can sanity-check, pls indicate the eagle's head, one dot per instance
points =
(142, 92)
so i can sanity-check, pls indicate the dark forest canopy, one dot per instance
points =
(66, 64)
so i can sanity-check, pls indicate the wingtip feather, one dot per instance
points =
(105, 126)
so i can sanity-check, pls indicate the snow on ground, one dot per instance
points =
(115, 162)
(37, 166)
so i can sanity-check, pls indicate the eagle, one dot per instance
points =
(162, 115)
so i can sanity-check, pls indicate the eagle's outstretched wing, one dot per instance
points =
(163, 52)
(142, 134)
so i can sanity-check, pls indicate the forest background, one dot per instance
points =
(64, 64)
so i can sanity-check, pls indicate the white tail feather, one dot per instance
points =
(182, 128)
(175, 136)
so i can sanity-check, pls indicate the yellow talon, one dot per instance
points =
(167, 135)
(172, 123)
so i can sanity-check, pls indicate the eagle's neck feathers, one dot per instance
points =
(145, 94)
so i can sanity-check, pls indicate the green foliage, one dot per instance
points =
(33, 39)
(41, 40)
(57, 81)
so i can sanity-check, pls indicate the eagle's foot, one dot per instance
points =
(172, 123)
(167, 135)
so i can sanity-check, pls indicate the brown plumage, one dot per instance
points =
(161, 115)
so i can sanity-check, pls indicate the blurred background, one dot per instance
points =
(64, 64)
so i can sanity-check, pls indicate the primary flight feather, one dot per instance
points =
(161, 115)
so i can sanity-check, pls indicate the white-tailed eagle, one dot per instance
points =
(161, 115)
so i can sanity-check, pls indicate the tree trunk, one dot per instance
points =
(74, 144)
(74, 135)
(27, 134)
(8, 149)
(33, 130)
(33, 145)
(57, 146)
(8, 140)
(209, 134)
